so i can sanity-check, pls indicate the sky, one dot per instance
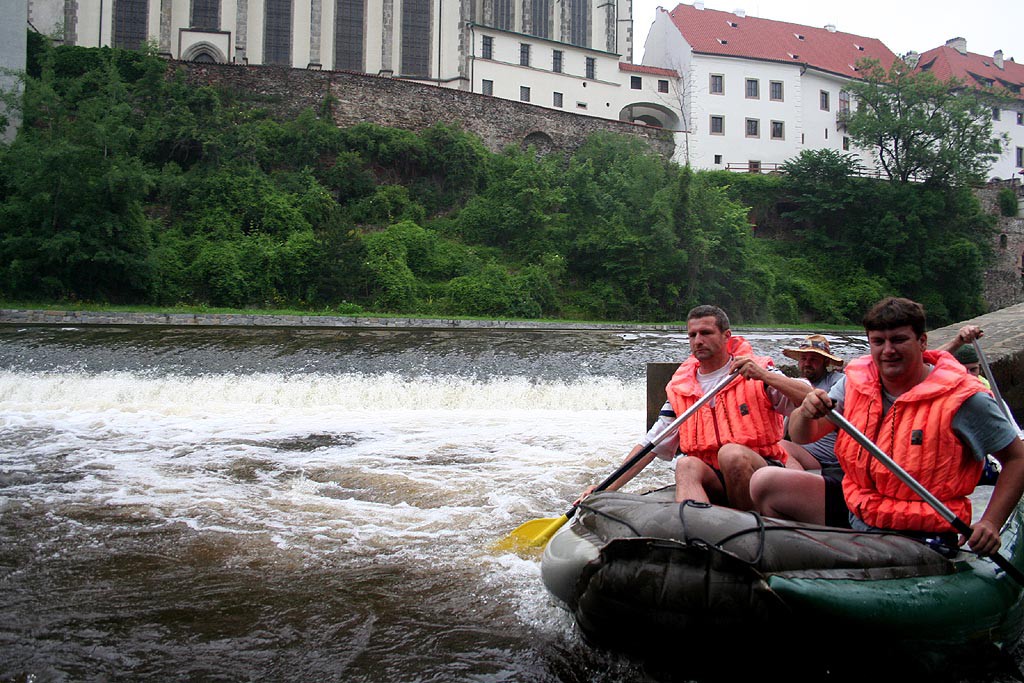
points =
(988, 25)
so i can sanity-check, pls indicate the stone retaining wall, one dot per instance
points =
(397, 103)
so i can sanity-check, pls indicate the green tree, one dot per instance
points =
(920, 128)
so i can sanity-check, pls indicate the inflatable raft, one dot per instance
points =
(641, 573)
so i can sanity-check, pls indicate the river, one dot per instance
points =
(226, 504)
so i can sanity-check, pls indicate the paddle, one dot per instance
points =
(920, 490)
(536, 533)
(991, 381)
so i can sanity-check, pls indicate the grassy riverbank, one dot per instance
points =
(278, 312)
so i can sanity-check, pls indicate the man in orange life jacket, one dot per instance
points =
(737, 432)
(933, 418)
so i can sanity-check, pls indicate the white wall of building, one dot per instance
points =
(1011, 124)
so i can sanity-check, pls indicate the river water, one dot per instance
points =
(226, 504)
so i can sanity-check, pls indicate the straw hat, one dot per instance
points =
(815, 343)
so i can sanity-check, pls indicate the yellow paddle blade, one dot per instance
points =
(533, 534)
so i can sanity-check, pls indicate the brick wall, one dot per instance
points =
(414, 106)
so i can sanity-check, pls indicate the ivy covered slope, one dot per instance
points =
(126, 185)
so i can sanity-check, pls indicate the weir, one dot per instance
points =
(1003, 342)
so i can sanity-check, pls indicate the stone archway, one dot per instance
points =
(540, 141)
(204, 52)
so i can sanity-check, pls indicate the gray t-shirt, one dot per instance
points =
(824, 449)
(978, 423)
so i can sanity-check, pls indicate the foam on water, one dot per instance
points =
(318, 469)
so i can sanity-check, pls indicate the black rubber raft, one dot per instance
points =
(641, 573)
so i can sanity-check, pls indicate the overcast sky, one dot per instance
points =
(988, 25)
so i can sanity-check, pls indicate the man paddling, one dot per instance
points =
(933, 418)
(736, 433)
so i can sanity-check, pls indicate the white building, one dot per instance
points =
(756, 92)
(562, 54)
(952, 60)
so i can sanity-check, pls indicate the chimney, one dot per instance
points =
(698, 5)
(831, 28)
(741, 13)
(959, 44)
(998, 59)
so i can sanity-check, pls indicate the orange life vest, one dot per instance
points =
(741, 414)
(917, 433)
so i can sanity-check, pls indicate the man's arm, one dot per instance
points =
(1008, 490)
(965, 335)
(808, 422)
(793, 389)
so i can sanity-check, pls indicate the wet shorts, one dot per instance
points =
(836, 512)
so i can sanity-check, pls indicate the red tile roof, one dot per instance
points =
(725, 33)
(653, 70)
(977, 70)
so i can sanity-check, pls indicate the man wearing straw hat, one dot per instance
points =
(773, 491)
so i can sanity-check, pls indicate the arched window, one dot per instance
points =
(540, 17)
(277, 33)
(579, 22)
(206, 15)
(416, 38)
(1002, 241)
(348, 34)
(504, 17)
(130, 23)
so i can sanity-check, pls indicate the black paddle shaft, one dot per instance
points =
(962, 527)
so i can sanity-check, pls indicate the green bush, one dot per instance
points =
(1008, 205)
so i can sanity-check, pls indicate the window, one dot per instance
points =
(778, 130)
(524, 54)
(416, 37)
(503, 14)
(206, 14)
(348, 35)
(996, 114)
(1020, 118)
(1020, 157)
(718, 159)
(635, 82)
(775, 91)
(556, 99)
(556, 61)
(130, 23)
(718, 125)
(487, 87)
(753, 167)
(844, 102)
(540, 15)
(753, 89)
(753, 128)
(524, 93)
(846, 144)
(591, 68)
(824, 101)
(662, 85)
(579, 20)
(487, 48)
(717, 86)
(277, 33)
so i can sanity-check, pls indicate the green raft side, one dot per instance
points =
(978, 601)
